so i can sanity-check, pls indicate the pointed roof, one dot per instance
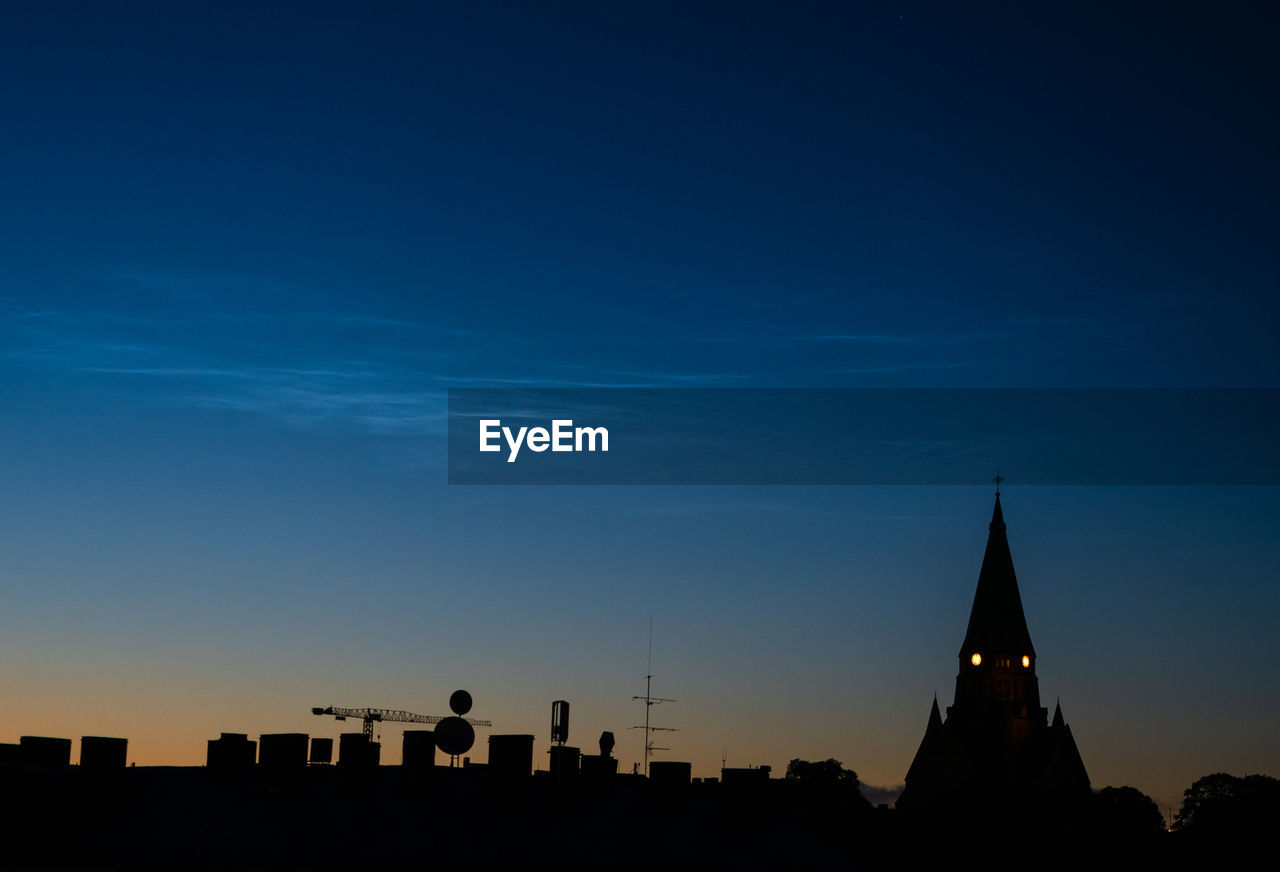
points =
(996, 621)
(940, 761)
(1064, 768)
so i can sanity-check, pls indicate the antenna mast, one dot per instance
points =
(649, 701)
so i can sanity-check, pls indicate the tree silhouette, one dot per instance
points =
(1227, 806)
(828, 773)
(825, 781)
(1127, 813)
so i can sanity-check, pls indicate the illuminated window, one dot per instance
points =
(1026, 661)
(976, 659)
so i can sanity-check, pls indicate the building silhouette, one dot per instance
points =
(996, 752)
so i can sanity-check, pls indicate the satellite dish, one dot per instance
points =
(454, 735)
(460, 702)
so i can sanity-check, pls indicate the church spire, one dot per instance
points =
(996, 741)
(996, 621)
(935, 716)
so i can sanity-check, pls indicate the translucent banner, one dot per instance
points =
(613, 436)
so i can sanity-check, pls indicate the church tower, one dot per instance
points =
(997, 660)
(996, 743)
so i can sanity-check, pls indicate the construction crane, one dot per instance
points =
(371, 715)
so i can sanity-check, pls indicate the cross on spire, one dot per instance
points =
(999, 478)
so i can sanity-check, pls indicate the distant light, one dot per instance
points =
(1026, 661)
(976, 659)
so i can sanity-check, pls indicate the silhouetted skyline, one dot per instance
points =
(247, 249)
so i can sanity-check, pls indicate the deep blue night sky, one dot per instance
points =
(246, 248)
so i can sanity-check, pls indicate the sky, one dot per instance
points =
(246, 249)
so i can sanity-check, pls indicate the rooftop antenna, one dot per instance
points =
(649, 701)
(560, 721)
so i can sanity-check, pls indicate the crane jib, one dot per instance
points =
(371, 715)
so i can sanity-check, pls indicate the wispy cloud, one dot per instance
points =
(261, 346)
(1001, 328)
(174, 341)
(243, 359)
(870, 338)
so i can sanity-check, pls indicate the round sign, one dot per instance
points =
(454, 736)
(460, 702)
